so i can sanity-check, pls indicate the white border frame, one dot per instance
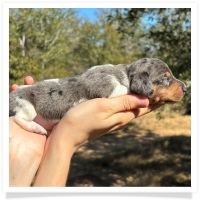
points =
(103, 4)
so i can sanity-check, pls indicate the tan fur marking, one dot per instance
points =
(168, 74)
(173, 93)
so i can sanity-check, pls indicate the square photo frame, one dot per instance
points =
(6, 5)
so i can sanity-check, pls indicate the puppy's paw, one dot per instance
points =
(36, 128)
(30, 126)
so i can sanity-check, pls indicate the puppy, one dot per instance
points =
(51, 99)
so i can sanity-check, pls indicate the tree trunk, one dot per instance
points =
(22, 44)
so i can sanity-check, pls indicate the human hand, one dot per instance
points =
(94, 118)
(27, 81)
(25, 150)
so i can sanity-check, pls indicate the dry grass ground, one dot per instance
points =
(147, 152)
(171, 124)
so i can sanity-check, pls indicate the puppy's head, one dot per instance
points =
(152, 78)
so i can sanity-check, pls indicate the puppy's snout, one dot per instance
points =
(184, 88)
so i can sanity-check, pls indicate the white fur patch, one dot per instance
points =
(94, 67)
(23, 86)
(80, 101)
(25, 109)
(119, 89)
(52, 80)
(125, 80)
(25, 113)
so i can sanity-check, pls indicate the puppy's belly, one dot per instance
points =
(46, 124)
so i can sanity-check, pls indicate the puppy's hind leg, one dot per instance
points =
(25, 113)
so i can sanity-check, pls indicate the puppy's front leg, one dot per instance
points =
(29, 125)
(24, 113)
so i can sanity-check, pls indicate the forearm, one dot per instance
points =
(54, 168)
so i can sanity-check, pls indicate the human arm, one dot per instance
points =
(83, 123)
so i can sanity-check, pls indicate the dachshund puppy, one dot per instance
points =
(51, 99)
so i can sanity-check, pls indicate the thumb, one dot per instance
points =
(127, 102)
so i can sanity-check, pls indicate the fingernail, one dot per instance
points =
(143, 101)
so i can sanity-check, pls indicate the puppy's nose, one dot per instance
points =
(184, 88)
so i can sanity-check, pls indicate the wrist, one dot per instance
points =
(61, 139)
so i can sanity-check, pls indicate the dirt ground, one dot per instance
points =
(147, 152)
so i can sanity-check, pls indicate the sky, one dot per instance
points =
(87, 12)
(90, 14)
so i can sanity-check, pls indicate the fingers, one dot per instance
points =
(143, 111)
(13, 87)
(126, 103)
(28, 80)
(122, 118)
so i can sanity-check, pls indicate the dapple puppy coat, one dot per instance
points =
(51, 99)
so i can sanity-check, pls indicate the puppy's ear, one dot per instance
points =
(141, 84)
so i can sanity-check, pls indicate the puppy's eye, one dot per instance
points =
(166, 81)
(165, 76)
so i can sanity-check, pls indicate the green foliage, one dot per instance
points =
(39, 39)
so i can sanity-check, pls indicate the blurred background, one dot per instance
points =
(154, 150)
